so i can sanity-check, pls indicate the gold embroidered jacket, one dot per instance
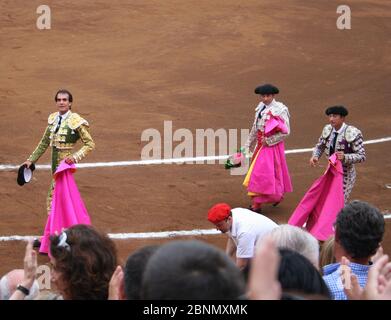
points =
(71, 129)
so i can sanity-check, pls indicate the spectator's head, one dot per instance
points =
(220, 215)
(297, 239)
(327, 253)
(134, 270)
(191, 270)
(359, 229)
(298, 277)
(83, 263)
(11, 280)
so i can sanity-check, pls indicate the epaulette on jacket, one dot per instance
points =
(52, 117)
(277, 109)
(327, 131)
(351, 133)
(75, 121)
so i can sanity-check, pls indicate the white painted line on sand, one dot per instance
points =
(4, 167)
(132, 235)
(145, 235)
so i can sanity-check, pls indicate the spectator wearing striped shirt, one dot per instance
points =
(359, 230)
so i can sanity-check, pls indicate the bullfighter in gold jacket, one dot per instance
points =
(64, 129)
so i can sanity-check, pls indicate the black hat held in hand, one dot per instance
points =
(25, 174)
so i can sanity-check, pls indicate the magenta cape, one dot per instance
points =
(322, 202)
(269, 176)
(67, 206)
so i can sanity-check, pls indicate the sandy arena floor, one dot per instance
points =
(133, 64)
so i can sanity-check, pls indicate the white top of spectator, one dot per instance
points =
(247, 228)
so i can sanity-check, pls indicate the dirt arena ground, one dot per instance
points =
(133, 64)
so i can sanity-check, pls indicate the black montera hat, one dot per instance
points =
(266, 89)
(341, 110)
(25, 174)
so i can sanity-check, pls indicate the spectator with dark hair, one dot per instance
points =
(83, 262)
(134, 270)
(359, 230)
(126, 284)
(191, 270)
(299, 278)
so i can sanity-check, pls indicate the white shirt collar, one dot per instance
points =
(261, 105)
(64, 116)
(340, 129)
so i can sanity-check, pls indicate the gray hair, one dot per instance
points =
(297, 239)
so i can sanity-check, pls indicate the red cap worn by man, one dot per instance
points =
(219, 212)
(243, 227)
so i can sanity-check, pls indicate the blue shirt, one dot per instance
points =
(332, 277)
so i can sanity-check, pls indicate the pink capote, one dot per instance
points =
(270, 176)
(322, 202)
(67, 205)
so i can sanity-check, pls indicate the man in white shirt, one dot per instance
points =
(244, 229)
(344, 140)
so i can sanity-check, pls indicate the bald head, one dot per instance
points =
(10, 281)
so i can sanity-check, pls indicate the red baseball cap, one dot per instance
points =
(219, 212)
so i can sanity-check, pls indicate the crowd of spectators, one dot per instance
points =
(281, 262)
